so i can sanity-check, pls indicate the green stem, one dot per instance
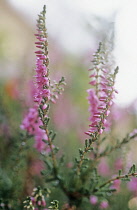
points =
(115, 178)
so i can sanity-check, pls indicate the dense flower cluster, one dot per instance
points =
(32, 121)
(42, 79)
(101, 95)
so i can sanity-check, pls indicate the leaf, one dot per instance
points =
(120, 172)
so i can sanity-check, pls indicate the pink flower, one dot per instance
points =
(93, 200)
(104, 204)
(31, 123)
(93, 103)
(41, 91)
(93, 82)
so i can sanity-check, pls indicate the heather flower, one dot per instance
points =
(93, 199)
(101, 95)
(104, 204)
(93, 103)
(37, 198)
(42, 73)
(43, 91)
(31, 123)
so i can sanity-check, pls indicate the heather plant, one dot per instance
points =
(85, 181)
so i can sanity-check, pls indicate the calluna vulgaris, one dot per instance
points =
(80, 185)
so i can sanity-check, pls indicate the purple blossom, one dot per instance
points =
(31, 123)
(93, 103)
(100, 96)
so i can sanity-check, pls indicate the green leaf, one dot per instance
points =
(120, 172)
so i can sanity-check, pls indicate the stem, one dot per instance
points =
(20, 149)
(82, 158)
(86, 150)
(115, 178)
(51, 148)
(52, 153)
(125, 140)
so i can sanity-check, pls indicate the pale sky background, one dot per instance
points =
(70, 32)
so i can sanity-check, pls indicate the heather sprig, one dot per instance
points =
(101, 95)
(126, 177)
(42, 61)
(36, 120)
(32, 121)
(110, 148)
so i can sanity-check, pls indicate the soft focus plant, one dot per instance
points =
(86, 181)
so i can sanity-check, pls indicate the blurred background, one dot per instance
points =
(76, 27)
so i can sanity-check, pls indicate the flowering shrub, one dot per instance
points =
(85, 183)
